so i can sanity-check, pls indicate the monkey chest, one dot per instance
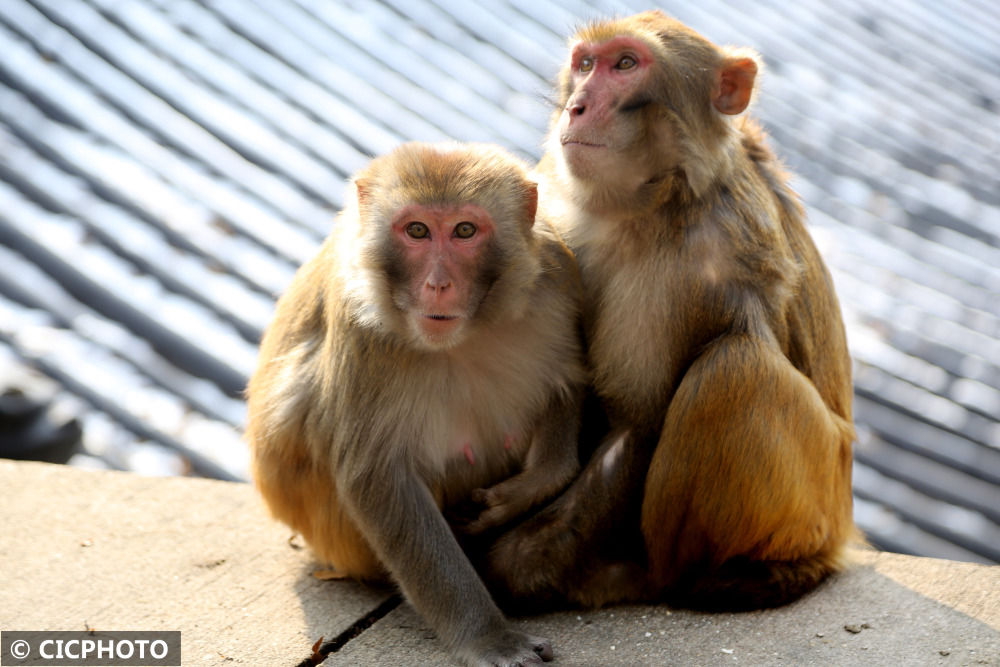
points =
(628, 338)
(644, 323)
(473, 427)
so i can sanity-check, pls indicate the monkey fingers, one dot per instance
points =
(494, 650)
(507, 500)
(464, 516)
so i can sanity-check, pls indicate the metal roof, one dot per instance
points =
(166, 164)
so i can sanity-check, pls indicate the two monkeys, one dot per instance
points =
(437, 350)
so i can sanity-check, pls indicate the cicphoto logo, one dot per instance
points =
(90, 648)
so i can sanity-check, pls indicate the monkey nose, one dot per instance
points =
(438, 286)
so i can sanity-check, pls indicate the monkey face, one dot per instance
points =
(644, 99)
(445, 243)
(608, 93)
(444, 252)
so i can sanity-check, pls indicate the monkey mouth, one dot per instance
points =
(580, 142)
(435, 327)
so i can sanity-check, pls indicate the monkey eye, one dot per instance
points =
(626, 62)
(417, 230)
(465, 230)
(586, 64)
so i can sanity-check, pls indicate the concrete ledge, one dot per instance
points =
(114, 551)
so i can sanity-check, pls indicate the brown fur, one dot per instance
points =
(356, 427)
(716, 343)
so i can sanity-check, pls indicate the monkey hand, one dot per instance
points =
(496, 506)
(505, 647)
(513, 497)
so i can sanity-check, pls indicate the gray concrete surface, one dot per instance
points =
(115, 551)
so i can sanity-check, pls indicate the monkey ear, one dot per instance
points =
(363, 188)
(531, 202)
(734, 84)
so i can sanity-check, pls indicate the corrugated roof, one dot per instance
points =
(166, 164)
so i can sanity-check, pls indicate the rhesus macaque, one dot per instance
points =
(714, 337)
(428, 355)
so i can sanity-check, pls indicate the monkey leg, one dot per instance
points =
(584, 547)
(305, 498)
(748, 496)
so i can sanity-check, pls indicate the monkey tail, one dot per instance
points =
(744, 584)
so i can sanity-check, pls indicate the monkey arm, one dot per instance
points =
(395, 510)
(551, 462)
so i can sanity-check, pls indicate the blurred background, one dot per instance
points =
(165, 165)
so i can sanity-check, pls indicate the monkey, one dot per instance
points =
(714, 335)
(430, 354)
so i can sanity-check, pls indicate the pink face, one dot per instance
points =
(442, 250)
(608, 79)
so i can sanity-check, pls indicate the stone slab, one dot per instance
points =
(889, 610)
(115, 551)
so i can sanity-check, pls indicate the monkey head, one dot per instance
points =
(644, 97)
(446, 242)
